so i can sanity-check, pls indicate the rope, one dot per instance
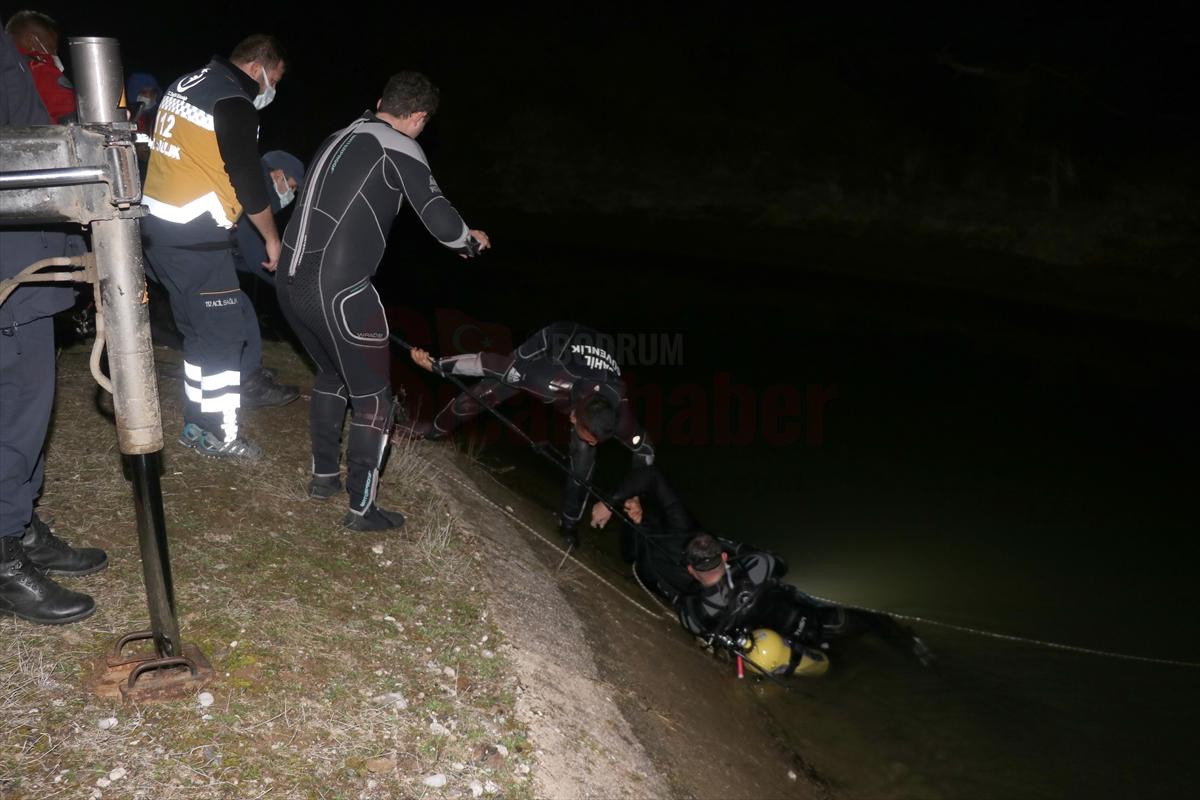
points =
(566, 554)
(1021, 639)
(540, 447)
(906, 617)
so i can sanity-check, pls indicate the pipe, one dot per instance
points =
(38, 178)
(122, 280)
(156, 559)
(99, 85)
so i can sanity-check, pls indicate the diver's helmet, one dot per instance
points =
(768, 650)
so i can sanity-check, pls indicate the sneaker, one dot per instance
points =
(209, 444)
(54, 556)
(261, 390)
(323, 487)
(373, 519)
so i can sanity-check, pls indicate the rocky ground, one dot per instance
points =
(460, 657)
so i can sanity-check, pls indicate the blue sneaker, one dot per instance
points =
(208, 444)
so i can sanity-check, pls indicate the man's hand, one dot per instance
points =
(422, 359)
(633, 508)
(274, 250)
(484, 242)
(601, 514)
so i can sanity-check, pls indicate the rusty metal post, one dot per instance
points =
(118, 248)
(87, 174)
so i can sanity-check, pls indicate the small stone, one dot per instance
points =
(381, 764)
(377, 549)
(792, 775)
(435, 781)
(476, 788)
(117, 774)
(449, 672)
(205, 699)
(108, 723)
(438, 729)
(207, 717)
(502, 750)
(103, 783)
(233, 643)
(490, 788)
(522, 769)
(394, 699)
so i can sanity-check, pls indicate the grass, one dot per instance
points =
(348, 665)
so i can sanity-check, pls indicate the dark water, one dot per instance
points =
(1012, 468)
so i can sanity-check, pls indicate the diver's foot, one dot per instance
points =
(373, 519)
(323, 487)
(261, 390)
(922, 652)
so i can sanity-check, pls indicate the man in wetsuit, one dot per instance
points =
(356, 185)
(564, 364)
(718, 586)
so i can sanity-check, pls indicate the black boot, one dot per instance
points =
(54, 556)
(323, 487)
(373, 519)
(26, 593)
(260, 389)
(570, 533)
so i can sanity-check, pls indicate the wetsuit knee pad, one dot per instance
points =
(329, 383)
(374, 410)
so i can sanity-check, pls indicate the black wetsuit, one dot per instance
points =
(655, 548)
(332, 246)
(752, 595)
(561, 365)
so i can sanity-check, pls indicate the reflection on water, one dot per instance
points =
(1020, 470)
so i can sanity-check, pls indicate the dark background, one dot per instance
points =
(1063, 136)
(975, 224)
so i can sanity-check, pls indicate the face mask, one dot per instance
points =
(285, 197)
(264, 97)
(53, 56)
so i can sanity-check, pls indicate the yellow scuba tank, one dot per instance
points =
(769, 651)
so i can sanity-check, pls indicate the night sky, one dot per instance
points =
(1066, 135)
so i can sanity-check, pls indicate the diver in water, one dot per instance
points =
(732, 594)
(564, 364)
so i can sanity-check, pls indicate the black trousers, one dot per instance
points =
(194, 262)
(26, 399)
(345, 331)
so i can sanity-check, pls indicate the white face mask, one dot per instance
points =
(264, 97)
(285, 197)
(53, 56)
